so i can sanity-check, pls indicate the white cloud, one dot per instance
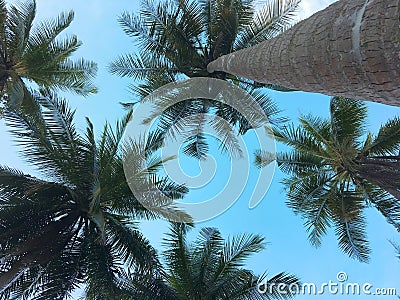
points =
(309, 7)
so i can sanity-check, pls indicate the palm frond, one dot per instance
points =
(274, 18)
(300, 139)
(102, 268)
(206, 258)
(52, 283)
(286, 281)
(347, 119)
(387, 141)
(298, 162)
(139, 66)
(385, 203)
(263, 158)
(303, 191)
(19, 23)
(350, 226)
(319, 129)
(129, 244)
(177, 257)
(47, 137)
(144, 287)
(47, 31)
(71, 75)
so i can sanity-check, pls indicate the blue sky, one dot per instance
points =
(288, 249)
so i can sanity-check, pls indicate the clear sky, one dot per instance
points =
(288, 249)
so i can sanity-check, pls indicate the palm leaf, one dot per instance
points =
(19, 23)
(350, 226)
(274, 18)
(348, 118)
(388, 139)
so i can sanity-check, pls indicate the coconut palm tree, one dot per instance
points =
(177, 39)
(211, 268)
(337, 171)
(77, 223)
(346, 50)
(33, 52)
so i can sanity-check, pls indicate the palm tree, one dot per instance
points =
(76, 224)
(34, 53)
(177, 39)
(210, 268)
(335, 176)
(346, 50)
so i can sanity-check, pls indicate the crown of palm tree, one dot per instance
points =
(77, 224)
(177, 39)
(335, 175)
(210, 268)
(35, 53)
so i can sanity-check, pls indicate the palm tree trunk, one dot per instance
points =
(382, 173)
(350, 49)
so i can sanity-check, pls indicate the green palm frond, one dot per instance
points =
(171, 189)
(300, 139)
(397, 248)
(102, 268)
(177, 257)
(71, 75)
(130, 245)
(135, 26)
(197, 146)
(33, 51)
(176, 118)
(274, 18)
(263, 158)
(144, 287)
(239, 248)
(387, 141)
(319, 129)
(352, 238)
(19, 23)
(213, 268)
(139, 66)
(270, 286)
(350, 224)
(47, 138)
(265, 105)
(206, 257)
(348, 117)
(47, 31)
(298, 162)
(318, 221)
(385, 203)
(154, 81)
(303, 191)
(39, 60)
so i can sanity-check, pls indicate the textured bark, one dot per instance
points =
(384, 173)
(350, 49)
